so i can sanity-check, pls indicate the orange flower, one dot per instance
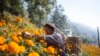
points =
(2, 23)
(2, 40)
(3, 47)
(29, 42)
(18, 19)
(39, 32)
(51, 50)
(33, 54)
(20, 38)
(15, 38)
(92, 50)
(22, 49)
(13, 47)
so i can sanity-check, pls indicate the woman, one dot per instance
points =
(52, 38)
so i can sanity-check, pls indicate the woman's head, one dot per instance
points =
(49, 29)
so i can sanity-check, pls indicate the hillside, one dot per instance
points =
(83, 31)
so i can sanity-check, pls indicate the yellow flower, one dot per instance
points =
(44, 49)
(51, 50)
(42, 41)
(22, 49)
(15, 38)
(2, 40)
(29, 42)
(39, 32)
(20, 38)
(13, 47)
(3, 47)
(33, 54)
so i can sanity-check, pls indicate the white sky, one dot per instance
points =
(82, 11)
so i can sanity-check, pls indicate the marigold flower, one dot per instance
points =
(91, 49)
(22, 49)
(51, 50)
(2, 23)
(33, 54)
(18, 19)
(15, 38)
(39, 32)
(20, 38)
(2, 40)
(42, 41)
(29, 42)
(13, 47)
(44, 49)
(3, 47)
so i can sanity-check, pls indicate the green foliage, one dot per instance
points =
(39, 9)
(13, 6)
(59, 19)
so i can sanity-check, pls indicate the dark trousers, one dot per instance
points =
(63, 51)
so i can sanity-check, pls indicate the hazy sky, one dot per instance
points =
(82, 11)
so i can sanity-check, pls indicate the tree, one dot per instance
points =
(39, 9)
(58, 18)
(13, 6)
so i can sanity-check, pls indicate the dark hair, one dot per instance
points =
(50, 27)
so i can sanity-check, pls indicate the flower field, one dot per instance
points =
(90, 50)
(13, 44)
